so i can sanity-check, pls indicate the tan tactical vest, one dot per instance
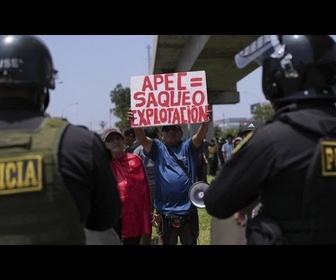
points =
(35, 206)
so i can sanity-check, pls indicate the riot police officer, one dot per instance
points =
(55, 177)
(289, 163)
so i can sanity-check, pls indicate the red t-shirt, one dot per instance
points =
(134, 193)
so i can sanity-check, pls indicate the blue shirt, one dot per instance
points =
(172, 184)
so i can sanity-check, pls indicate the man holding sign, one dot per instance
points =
(174, 158)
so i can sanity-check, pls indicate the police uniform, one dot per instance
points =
(84, 166)
(289, 164)
(55, 177)
(272, 162)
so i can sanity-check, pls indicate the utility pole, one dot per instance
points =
(110, 115)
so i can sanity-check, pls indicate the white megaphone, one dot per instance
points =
(196, 194)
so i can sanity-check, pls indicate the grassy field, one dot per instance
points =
(205, 227)
(205, 223)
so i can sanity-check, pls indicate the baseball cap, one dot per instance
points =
(109, 131)
(173, 125)
(237, 139)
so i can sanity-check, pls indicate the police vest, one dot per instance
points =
(319, 197)
(35, 205)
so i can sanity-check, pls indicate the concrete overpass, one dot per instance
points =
(212, 53)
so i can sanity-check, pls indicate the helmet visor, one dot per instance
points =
(265, 46)
(257, 51)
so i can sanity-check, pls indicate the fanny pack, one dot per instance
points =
(177, 221)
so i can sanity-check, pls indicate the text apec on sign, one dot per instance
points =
(174, 98)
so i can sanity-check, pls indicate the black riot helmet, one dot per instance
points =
(294, 67)
(26, 61)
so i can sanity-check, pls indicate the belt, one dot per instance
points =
(170, 216)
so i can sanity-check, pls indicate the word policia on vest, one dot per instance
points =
(27, 162)
(21, 174)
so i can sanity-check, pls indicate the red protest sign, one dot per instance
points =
(173, 98)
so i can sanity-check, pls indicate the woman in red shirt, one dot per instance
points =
(133, 188)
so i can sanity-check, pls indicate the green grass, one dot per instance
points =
(205, 227)
(205, 223)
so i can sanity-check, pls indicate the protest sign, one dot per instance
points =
(173, 98)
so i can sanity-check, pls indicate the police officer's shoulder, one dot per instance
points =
(83, 126)
(81, 132)
(243, 142)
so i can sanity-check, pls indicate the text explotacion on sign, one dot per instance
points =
(174, 98)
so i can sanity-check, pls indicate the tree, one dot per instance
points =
(263, 112)
(217, 132)
(121, 97)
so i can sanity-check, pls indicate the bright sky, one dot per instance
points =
(90, 66)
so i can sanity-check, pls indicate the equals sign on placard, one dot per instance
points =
(196, 82)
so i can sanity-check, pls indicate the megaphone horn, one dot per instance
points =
(196, 194)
